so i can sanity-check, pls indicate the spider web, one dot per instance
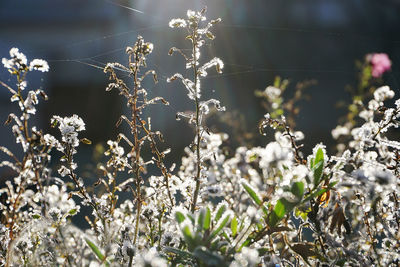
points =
(236, 68)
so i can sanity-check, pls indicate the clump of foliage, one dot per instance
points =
(260, 206)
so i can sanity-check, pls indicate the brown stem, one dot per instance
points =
(136, 148)
(159, 161)
(29, 155)
(198, 126)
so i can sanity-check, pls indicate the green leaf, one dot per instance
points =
(234, 225)
(299, 213)
(97, 252)
(318, 166)
(298, 189)
(253, 157)
(72, 212)
(252, 193)
(245, 243)
(180, 253)
(319, 156)
(220, 211)
(277, 214)
(36, 216)
(208, 258)
(277, 82)
(200, 219)
(254, 196)
(279, 112)
(179, 217)
(207, 219)
(191, 218)
(220, 226)
(319, 192)
(315, 194)
(225, 235)
(263, 250)
(341, 262)
(187, 234)
(311, 162)
(331, 185)
(282, 207)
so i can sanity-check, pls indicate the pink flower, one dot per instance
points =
(380, 63)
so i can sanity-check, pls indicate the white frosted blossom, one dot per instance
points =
(273, 92)
(16, 54)
(18, 60)
(39, 64)
(7, 63)
(274, 155)
(339, 131)
(23, 85)
(195, 16)
(69, 128)
(177, 23)
(51, 141)
(117, 158)
(383, 93)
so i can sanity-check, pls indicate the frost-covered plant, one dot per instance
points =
(371, 189)
(143, 189)
(198, 31)
(275, 104)
(258, 206)
(34, 201)
(369, 79)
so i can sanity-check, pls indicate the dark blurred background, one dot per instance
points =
(257, 40)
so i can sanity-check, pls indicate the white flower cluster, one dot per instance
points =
(272, 92)
(69, 128)
(383, 93)
(39, 64)
(117, 158)
(19, 62)
(177, 23)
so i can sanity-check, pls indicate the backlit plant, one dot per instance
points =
(268, 205)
